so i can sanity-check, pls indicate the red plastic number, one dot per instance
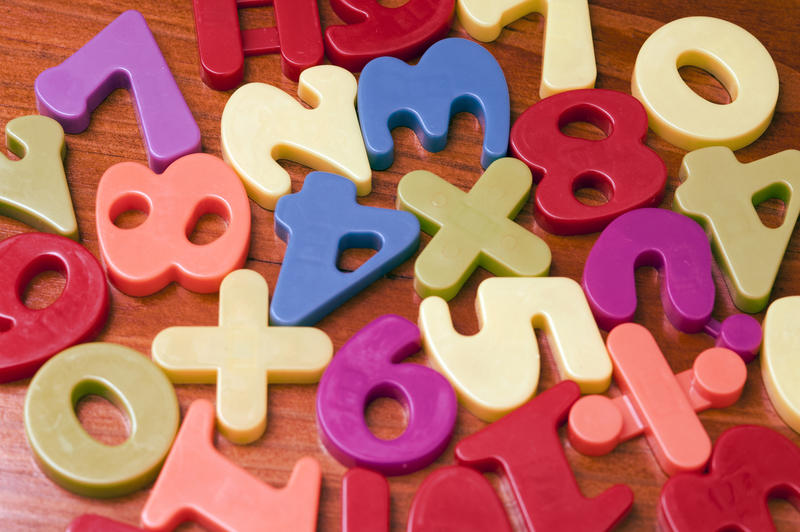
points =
(31, 336)
(450, 498)
(456, 498)
(525, 446)
(365, 501)
(627, 172)
(374, 30)
(749, 465)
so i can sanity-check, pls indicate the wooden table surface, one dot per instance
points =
(37, 34)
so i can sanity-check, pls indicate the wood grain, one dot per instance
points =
(37, 34)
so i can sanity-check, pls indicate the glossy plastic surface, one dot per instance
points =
(749, 465)
(497, 369)
(524, 446)
(655, 402)
(568, 51)
(262, 124)
(678, 247)
(456, 498)
(365, 501)
(319, 223)
(367, 367)
(731, 54)
(123, 55)
(780, 363)
(174, 201)
(472, 229)
(34, 189)
(201, 485)
(374, 30)
(31, 336)
(721, 194)
(222, 45)
(453, 76)
(621, 166)
(67, 453)
(242, 355)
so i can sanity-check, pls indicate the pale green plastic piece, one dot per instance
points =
(721, 194)
(67, 453)
(34, 189)
(472, 229)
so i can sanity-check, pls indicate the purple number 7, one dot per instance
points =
(123, 55)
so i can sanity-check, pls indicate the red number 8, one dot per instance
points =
(630, 174)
